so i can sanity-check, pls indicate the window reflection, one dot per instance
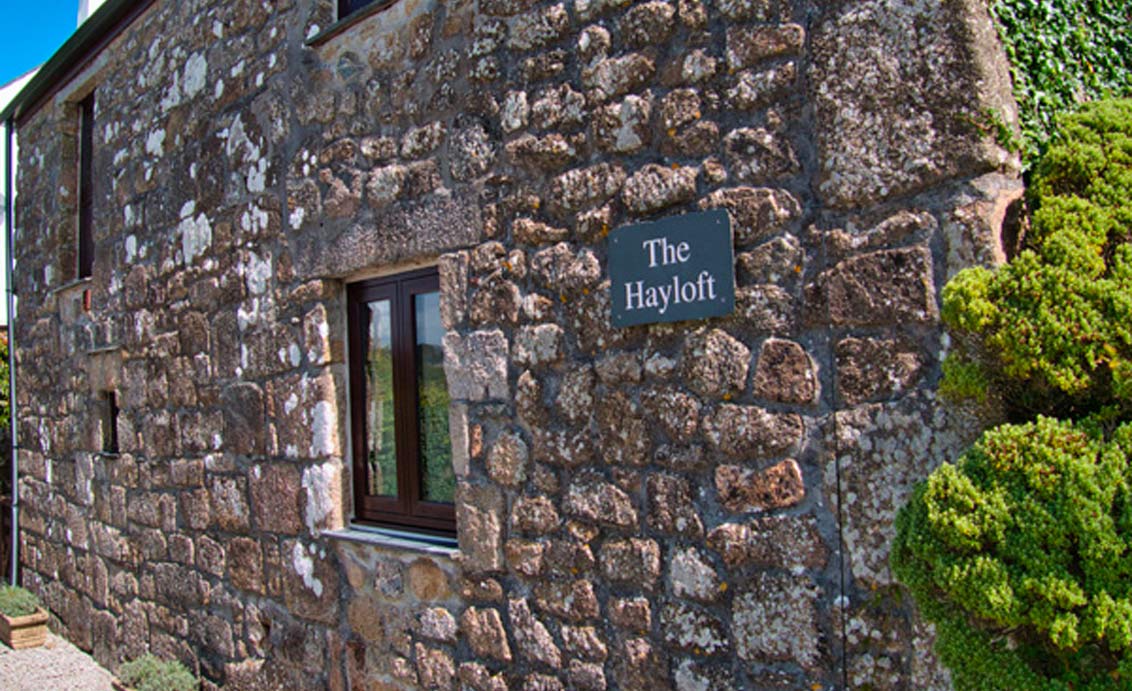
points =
(438, 482)
(381, 455)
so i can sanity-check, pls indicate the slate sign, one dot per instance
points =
(677, 268)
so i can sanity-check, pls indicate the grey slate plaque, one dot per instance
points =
(677, 268)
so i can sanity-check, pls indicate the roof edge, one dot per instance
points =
(99, 29)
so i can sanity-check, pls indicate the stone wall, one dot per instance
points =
(691, 506)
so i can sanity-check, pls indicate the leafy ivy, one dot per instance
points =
(1063, 53)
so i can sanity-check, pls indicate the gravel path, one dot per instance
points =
(57, 666)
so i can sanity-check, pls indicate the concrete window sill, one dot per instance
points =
(73, 284)
(432, 545)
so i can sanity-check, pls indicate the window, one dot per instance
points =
(85, 238)
(402, 454)
(109, 404)
(347, 7)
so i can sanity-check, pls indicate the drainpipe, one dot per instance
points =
(9, 130)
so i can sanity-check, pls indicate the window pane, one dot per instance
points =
(381, 454)
(438, 482)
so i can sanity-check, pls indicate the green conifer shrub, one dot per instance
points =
(1021, 551)
(1052, 328)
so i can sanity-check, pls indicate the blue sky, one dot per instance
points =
(31, 32)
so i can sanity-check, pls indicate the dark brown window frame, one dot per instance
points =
(85, 233)
(406, 510)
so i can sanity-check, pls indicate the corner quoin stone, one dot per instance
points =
(476, 365)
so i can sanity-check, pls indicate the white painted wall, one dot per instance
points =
(7, 93)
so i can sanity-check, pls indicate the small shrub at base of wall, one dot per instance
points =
(150, 673)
